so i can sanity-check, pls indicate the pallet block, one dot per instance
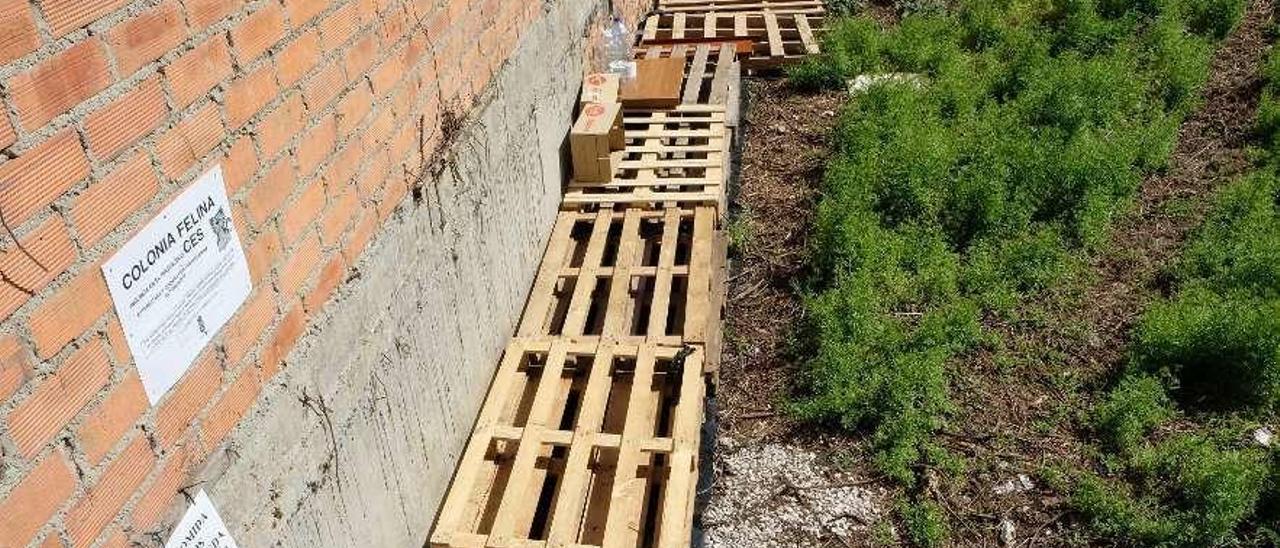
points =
(779, 38)
(809, 7)
(594, 140)
(581, 444)
(629, 275)
(672, 157)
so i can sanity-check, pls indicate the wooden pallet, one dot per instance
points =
(581, 444)
(778, 38)
(809, 7)
(629, 275)
(672, 157)
(712, 74)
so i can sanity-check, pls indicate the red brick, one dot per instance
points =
(339, 26)
(241, 164)
(147, 36)
(15, 366)
(330, 277)
(37, 177)
(258, 32)
(197, 71)
(120, 124)
(343, 167)
(249, 94)
(53, 541)
(115, 486)
(112, 419)
(262, 254)
(17, 30)
(59, 83)
(69, 312)
(302, 11)
(296, 60)
(297, 270)
(115, 539)
(35, 421)
(7, 136)
(103, 206)
(202, 13)
(149, 509)
(360, 236)
(33, 502)
(67, 15)
(324, 87)
(181, 404)
(337, 217)
(282, 342)
(271, 192)
(247, 329)
(182, 147)
(277, 129)
(316, 146)
(361, 55)
(396, 190)
(231, 408)
(353, 108)
(386, 75)
(51, 245)
(298, 216)
(119, 346)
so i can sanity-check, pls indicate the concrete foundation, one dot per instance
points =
(355, 442)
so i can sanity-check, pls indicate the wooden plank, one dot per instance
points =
(651, 26)
(776, 49)
(720, 83)
(580, 303)
(685, 433)
(538, 309)
(711, 26)
(806, 34)
(678, 26)
(451, 513)
(693, 82)
(662, 283)
(698, 317)
(656, 85)
(619, 315)
(625, 507)
(567, 518)
(515, 512)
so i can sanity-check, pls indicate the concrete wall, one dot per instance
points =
(355, 442)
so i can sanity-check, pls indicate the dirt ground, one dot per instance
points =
(1018, 406)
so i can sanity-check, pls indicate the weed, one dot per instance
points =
(1136, 406)
(925, 523)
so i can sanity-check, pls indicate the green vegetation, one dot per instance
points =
(1208, 358)
(925, 524)
(957, 196)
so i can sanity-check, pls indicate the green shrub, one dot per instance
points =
(925, 524)
(1222, 350)
(1190, 492)
(1131, 410)
(1237, 248)
(1212, 18)
(962, 196)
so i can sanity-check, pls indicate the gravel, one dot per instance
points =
(780, 495)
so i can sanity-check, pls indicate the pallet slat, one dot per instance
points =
(556, 488)
(778, 38)
(651, 280)
(731, 6)
(670, 157)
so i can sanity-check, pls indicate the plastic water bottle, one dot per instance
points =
(616, 52)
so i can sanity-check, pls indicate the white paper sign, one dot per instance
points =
(178, 281)
(201, 527)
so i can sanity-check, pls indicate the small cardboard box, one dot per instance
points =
(593, 140)
(600, 88)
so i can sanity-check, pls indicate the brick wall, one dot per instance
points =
(321, 113)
